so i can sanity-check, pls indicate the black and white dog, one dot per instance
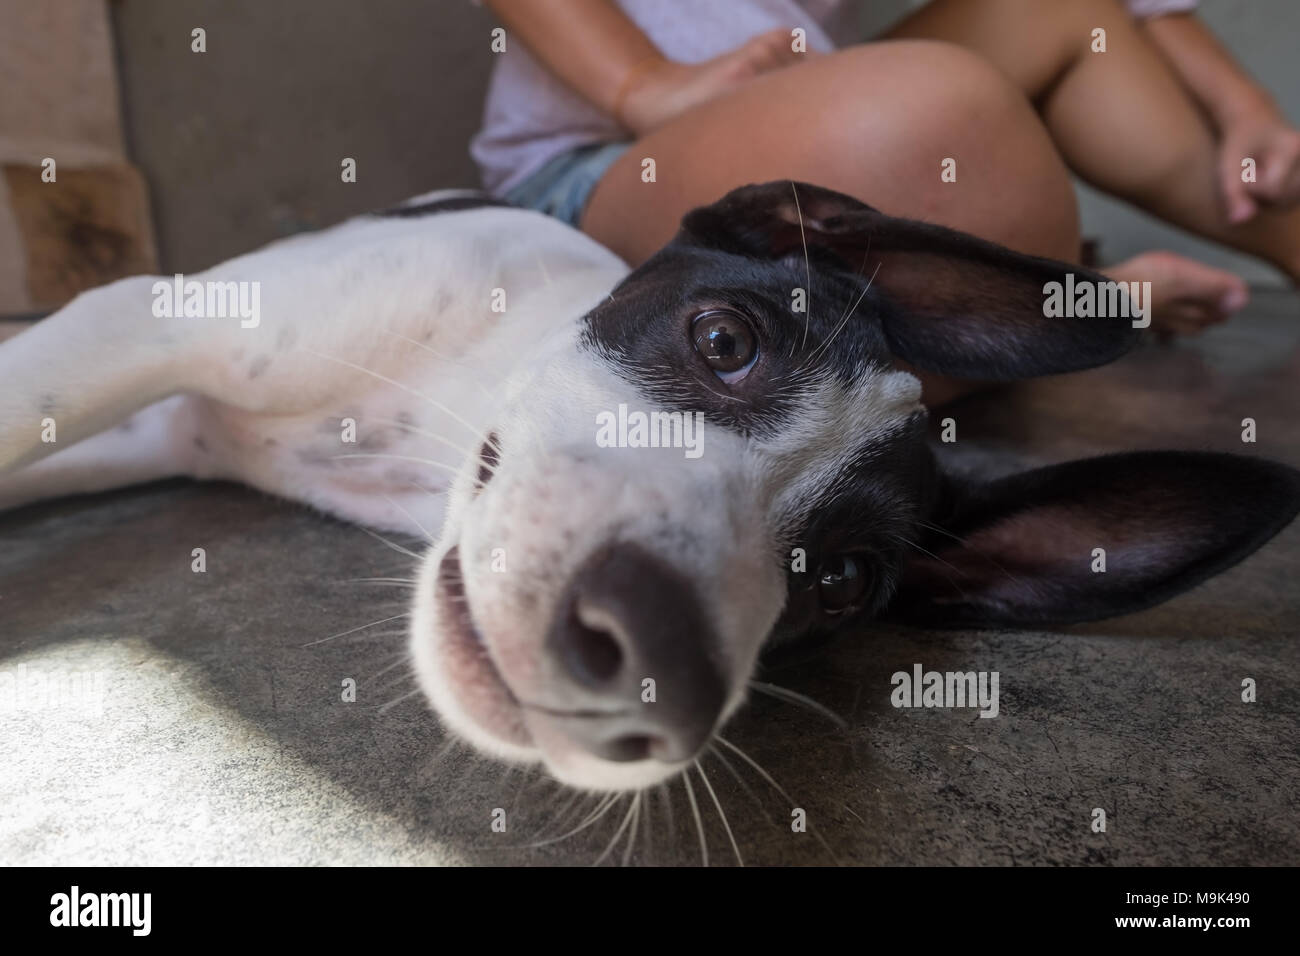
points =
(454, 368)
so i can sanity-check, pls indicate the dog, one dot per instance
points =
(599, 606)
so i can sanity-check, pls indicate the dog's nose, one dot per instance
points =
(634, 643)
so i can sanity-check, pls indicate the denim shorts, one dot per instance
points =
(562, 187)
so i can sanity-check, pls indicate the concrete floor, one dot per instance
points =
(206, 731)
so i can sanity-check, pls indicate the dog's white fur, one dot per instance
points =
(388, 321)
(406, 300)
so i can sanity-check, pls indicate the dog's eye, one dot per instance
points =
(727, 343)
(843, 582)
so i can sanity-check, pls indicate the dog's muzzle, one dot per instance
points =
(631, 642)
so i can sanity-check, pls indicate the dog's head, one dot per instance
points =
(724, 457)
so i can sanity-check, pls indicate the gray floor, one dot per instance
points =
(204, 730)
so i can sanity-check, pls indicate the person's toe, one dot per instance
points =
(1186, 296)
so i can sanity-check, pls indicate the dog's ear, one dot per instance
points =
(1029, 549)
(949, 303)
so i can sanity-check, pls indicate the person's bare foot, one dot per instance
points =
(1187, 296)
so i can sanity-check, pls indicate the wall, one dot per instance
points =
(73, 213)
(242, 144)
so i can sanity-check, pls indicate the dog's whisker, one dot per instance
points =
(793, 697)
(588, 805)
(666, 792)
(730, 398)
(636, 821)
(371, 636)
(445, 358)
(428, 535)
(862, 267)
(394, 682)
(396, 547)
(952, 580)
(840, 324)
(438, 494)
(704, 778)
(424, 461)
(699, 823)
(562, 812)
(777, 787)
(541, 267)
(424, 433)
(807, 268)
(646, 835)
(406, 678)
(393, 703)
(443, 752)
(387, 620)
(602, 807)
(406, 388)
(845, 321)
(741, 781)
(962, 542)
(938, 530)
(401, 659)
(528, 791)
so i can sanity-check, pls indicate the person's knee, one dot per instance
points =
(948, 78)
(926, 96)
(962, 141)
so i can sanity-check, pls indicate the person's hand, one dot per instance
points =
(1264, 135)
(667, 89)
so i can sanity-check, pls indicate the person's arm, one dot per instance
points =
(1249, 121)
(1207, 69)
(602, 55)
(590, 44)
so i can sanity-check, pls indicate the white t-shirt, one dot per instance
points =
(531, 116)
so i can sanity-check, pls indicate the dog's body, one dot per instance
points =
(406, 296)
(444, 369)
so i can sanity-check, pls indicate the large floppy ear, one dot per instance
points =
(1028, 549)
(949, 303)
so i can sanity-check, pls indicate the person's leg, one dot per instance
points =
(874, 122)
(1120, 118)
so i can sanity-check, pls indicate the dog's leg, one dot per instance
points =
(158, 442)
(86, 368)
